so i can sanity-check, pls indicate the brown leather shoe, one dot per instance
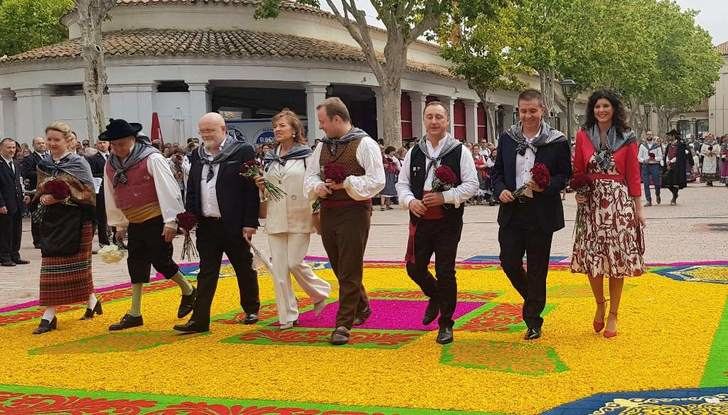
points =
(340, 336)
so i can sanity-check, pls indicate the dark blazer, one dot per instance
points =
(557, 158)
(97, 163)
(29, 170)
(11, 192)
(237, 196)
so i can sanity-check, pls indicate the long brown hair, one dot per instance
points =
(291, 119)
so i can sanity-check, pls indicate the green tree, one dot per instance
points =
(28, 24)
(405, 21)
(483, 51)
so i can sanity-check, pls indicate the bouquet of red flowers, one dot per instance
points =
(540, 175)
(445, 179)
(336, 172)
(57, 188)
(252, 169)
(187, 222)
(581, 183)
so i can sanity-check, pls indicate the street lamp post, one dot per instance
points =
(568, 87)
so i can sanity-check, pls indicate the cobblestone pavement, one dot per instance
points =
(695, 229)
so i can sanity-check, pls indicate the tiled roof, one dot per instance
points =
(285, 4)
(234, 44)
(723, 48)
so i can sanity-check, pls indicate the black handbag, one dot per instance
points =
(60, 230)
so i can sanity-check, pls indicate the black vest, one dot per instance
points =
(418, 166)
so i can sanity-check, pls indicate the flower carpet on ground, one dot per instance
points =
(670, 356)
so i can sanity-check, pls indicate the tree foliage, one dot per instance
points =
(405, 21)
(28, 24)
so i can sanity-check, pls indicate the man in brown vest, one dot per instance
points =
(346, 206)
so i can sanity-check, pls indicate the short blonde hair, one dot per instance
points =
(335, 106)
(61, 127)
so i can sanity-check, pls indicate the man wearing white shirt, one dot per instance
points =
(650, 158)
(346, 206)
(227, 206)
(436, 215)
(143, 199)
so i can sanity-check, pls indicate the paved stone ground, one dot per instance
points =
(695, 229)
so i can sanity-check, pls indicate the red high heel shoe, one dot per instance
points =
(599, 325)
(609, 334)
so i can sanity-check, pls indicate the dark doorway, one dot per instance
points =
(362, 105)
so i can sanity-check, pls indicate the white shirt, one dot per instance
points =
(168, 194)
(525, 162)
(208, 192)
(457, 195)
(365, 187)
(643, 155)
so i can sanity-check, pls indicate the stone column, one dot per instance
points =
(198, 107)
(693, 130)
(490, 121)
(471, 120)
(32, 112)
(133, 103)
(7, 113)
(418, 108)
(315, 94)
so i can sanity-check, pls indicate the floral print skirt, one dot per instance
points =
(608, 238)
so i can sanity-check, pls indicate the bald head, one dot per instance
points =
(212, 130)
(39, 144)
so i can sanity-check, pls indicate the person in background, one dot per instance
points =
(678, 159)
(12, 203)
(98, 163)
(392, 165)
(30, 176)
(709, 151)
(650, 158)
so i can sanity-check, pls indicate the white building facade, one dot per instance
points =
(180, 60)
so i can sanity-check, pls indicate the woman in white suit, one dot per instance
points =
(289, 223)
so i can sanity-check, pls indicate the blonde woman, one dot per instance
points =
(66, 227)
(289, 223)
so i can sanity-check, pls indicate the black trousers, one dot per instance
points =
(147, 247)
(440, 237)
(11, 232)
(212, 240)
(101, 222)
(524, 235)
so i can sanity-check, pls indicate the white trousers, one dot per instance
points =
(287, 252)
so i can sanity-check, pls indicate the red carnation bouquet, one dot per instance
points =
(336, 172)
(582, 184)
(57, 188)
(187, 222)
(252, 169)
(540, 175)
(445, 179)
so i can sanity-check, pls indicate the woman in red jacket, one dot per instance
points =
(608, 238)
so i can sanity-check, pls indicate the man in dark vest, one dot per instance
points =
(346, 207)
(30, 175)
(436, 214)
(527, 223)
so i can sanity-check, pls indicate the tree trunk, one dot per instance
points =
(490, 133)
(637, 116)
(91, 14)
(664, 115)
(547, 79)
(392, 114)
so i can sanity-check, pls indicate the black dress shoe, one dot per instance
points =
(532, 334)
(187, 303)
(7, 264)
(251, 318)
(89, 314)
(444, 336)
(192, 327)
(45, 326)
(21, 262)
(363, 316)
(431, 312)
(127, 322)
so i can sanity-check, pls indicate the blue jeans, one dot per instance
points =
(654, 172)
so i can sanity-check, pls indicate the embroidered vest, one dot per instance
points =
(346, 156)
(137, 198)
(418, 164)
